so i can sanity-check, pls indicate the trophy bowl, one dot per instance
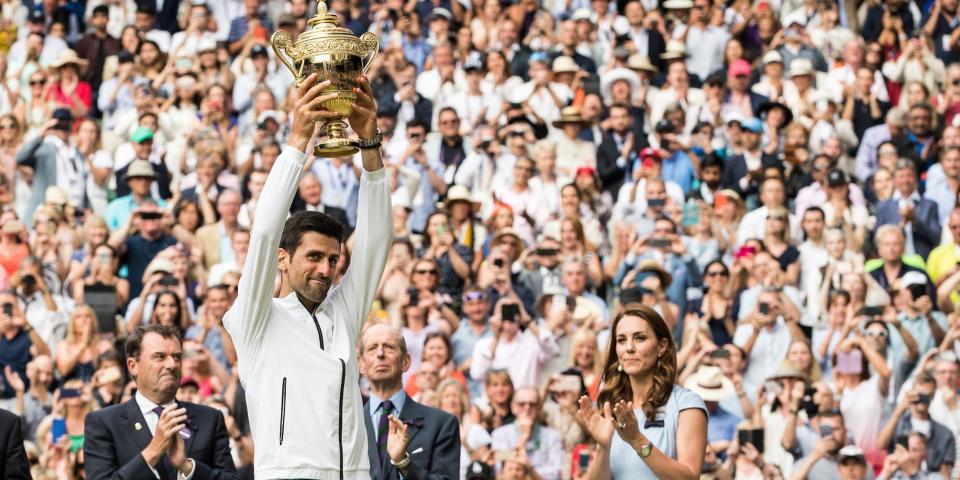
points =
(337, 55)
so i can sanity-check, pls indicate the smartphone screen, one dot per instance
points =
(510, 312)
(58, 429)
(764, 308)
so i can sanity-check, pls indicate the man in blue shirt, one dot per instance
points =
(16, 338)
(473, 327)
(677, 167)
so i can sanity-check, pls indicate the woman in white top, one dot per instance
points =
(665, 436)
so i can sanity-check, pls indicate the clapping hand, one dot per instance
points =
(626, 424)
(397, 439)
(599, 424)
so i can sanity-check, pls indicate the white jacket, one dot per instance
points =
(304, 402)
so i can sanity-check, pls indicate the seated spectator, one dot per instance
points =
(528, 438)
(19, 343)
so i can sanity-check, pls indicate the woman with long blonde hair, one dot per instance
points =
(76, 355)
(646, 427)
(586, 357)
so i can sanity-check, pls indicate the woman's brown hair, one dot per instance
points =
(616, 383)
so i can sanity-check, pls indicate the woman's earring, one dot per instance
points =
(619, 367)
(658, 363)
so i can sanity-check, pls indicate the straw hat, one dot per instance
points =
(459, 193)
(651, 265)
(710, 383)
(55, 196)
(510, 235)
(564, 64)
(140, 168)
(800, 66)
(569, 116)
(69, 57)
(787, 369)
(678, 4)
(641, 62)
(675, 51)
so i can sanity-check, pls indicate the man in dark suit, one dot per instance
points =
(14, 465)
(152, 435)
(309, 197)
(917, 216)
(618, 150)
(420, 443)
(742, 173)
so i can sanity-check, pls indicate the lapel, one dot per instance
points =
(372, 453)
(412, 416)
(132, 418)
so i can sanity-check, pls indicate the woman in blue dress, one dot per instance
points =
(646, 427)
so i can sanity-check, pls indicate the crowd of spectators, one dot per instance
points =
(778, 179)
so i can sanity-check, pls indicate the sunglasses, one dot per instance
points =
(474, 296)
(718, 273)
(426, 272)
(35, 83)
(8, 126)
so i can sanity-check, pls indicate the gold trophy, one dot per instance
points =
(337, 55)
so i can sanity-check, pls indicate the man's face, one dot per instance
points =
(217, 302)
(751, 140)
(381, 359)
(152, 227)
(953, 223)
(475, 309)
(43, 371)
(711, 175)
(852, 469)
(813, 224)
(573, 278)
(890, 247)
(449, 124)
(228, 206)
(620, 119)
(772, 194)
(921, 409)
(312, 266)
(918, 121)
(143, 149)
(525, 404)
(143, 22)
(99, 21)
(946, 374)
(951, 163)
(905, 181)
(310, 190)
(157, 369)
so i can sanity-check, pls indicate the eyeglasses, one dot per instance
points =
(718, 273)
(876, 333)
(531, 404)
(426, 272)
(8, 126)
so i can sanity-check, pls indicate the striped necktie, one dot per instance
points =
(386, 408)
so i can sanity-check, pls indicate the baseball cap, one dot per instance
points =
(650, 152)
(440, 12)
(836, 178)
(36, 16)
(665, 126)
(63, 114)
(739, 67)
(772, 56)
(258, 50)
(752, 125)
(141, 134)
(852, 451)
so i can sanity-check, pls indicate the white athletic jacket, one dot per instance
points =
(304, 402)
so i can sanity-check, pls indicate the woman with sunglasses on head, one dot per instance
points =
(646, 426)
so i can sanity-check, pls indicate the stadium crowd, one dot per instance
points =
(778, 179)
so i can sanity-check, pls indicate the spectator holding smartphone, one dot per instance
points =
(519, 345)
(19, 342)
(912, 414)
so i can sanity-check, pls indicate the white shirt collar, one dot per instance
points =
(146, 405)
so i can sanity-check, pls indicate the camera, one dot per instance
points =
(28, 280)
(414, 295)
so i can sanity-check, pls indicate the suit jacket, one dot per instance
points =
(612, 176)
(735, 168)
(436, 432)
(14, 465)
(191, 193)
(115, 436)
(41, 156)
(336, 213)
(656, 46)
(926, 223)
(422, 107)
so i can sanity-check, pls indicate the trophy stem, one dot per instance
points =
(336, 145)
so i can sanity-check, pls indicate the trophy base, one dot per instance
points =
(336, 147)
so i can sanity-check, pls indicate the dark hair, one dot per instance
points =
(303, 222)
(616, 384)
(176, 300)
(816, 209)
(726, 270)
(620, 105)
(712, 160)
(135, 339)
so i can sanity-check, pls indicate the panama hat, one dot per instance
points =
(710, 383)
(67, 57)
(569, 116)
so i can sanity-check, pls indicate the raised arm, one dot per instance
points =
(374, 232)
(246, 320)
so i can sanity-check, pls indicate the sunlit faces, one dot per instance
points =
(637, 347)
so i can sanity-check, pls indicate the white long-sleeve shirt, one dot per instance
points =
(305, 407)
(523, 357)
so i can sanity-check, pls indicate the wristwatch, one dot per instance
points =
(406, 460)
(371, 142)
(646, 450)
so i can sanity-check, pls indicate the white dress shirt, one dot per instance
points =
(146, 408)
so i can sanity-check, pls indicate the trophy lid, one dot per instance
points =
(324, 24)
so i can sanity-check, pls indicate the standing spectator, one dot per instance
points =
(111, 448)
(915, 215)
(139, 240)
(54, 161)
(97, 45)
(640, 372)
(396, 425)
(518, 344)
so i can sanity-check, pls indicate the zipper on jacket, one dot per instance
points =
(283, 407)
(319, 333)
(343, 377)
